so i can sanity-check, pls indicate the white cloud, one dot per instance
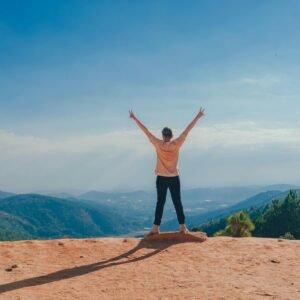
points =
(207, 137)
(244, 134)
(125, 159)
(79, 144)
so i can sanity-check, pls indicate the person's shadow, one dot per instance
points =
(157, 247)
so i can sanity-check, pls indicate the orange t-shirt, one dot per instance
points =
(167, 155)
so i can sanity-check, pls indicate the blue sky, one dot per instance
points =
(70, 70)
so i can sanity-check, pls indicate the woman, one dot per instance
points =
(166, 170)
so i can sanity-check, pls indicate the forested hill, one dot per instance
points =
(256, 200)
(38, 216)
(279, 218)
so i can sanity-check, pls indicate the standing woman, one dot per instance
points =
(167, 171)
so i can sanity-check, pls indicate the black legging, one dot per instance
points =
(162, 185)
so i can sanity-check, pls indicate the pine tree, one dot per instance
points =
(238, 225)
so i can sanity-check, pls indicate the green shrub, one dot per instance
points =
(287, 236)
(238, 225)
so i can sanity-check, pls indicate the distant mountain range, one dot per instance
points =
(5, 195)
(195, 201)
(111, 214)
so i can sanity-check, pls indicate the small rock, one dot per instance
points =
(60, 244)
(81, 256)
(8, 269)
(14, 266)
(275, 261)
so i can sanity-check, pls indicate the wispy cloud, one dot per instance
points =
(125, 159)
(230, 135)
(224, 135)
(265, 81)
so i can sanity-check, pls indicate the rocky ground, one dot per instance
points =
(131, 268)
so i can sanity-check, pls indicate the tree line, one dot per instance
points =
(280, 218)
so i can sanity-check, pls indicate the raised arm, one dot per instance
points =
(192, 124)
(139, 123)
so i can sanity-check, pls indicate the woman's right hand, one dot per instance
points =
(201, 112)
